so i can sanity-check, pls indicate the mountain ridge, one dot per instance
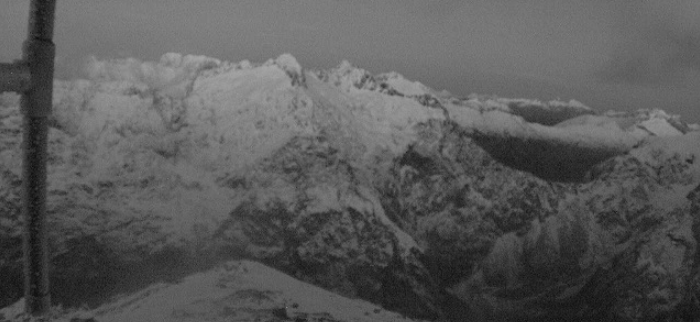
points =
(371, 186)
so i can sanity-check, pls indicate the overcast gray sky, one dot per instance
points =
(622, 55)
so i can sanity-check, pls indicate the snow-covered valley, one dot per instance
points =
(194, 189)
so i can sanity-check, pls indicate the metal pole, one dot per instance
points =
(38, 54)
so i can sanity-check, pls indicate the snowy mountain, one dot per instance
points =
(164, 175)
(236, 291)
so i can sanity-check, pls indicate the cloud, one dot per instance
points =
(656, 43)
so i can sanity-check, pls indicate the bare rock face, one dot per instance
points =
(309, 214)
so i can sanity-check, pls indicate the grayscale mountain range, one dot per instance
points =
(194, 189)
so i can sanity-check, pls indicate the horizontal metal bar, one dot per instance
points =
(14, 77)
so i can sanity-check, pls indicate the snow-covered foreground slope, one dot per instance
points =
(373, 187)
(235, 291)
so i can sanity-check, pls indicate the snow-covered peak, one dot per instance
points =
(553, 105)
(645, 122)
(219, 115)
(171, 68)
(659, 127)
(659, 123)
(531, 110)
(659, 150)
(287, 62)
(235, 291)
(289, 65)
(192, 62)
(243, 112)
(402, 85)
(598, 134)
(348, 77)
(571, 104)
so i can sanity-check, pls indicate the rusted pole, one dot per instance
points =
(38, 54)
